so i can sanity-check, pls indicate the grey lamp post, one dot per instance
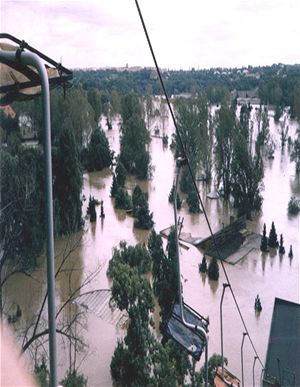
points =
(221, 324)
(255, 358)
(242, 359)
(29, 58)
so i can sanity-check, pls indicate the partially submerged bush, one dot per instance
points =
(294, 206)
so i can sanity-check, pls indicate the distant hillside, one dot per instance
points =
(276, 84)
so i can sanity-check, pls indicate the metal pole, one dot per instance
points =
(180, 161)
(255, 358)
(221, 323)
(206, 364)
(242, 360)
(28, 58)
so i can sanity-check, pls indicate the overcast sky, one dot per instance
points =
(184, 34)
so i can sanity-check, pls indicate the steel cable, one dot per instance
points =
(192, 176)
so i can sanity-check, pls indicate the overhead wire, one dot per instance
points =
(184, 154)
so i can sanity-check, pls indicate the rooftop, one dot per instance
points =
(282, 362)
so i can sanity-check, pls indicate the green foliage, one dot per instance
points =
(281, 247)
(129, 289)
(114, 186)
(263, 126)
(277, 84)
(68, 180)
(179, 359)
(134, 155)
(264, 241)
(213, 269)
(165, 282)
(294, 206)
(121, 174)
(196, 138)
(139, 359)
(144, 219)
(75, 109)
(138, 199)
(193, 202)
(121, 365)
(9, 126)
(171, 198)
(130, 106)
(272, 241)
(22, 206)
(98, 155)
(278, 113)
(94, 99)
(295, 154)
(122, 199)
(203, 265)
(245, 120)
(42, 373)
(247, 174)
(186, 182)
(131, 361)
(74, 379)
(225, 134)
(213, 363)
(91, 210)
(141, 209)
(135, 256)
(134, 138)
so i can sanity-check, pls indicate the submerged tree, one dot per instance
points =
(165, 283)
(122, 199)
(225, 134)
(272, 241)
(193, 202)
(135, 256)
(67, 181)
(114, 186)
(245, 120)
(134, 138)
(144, 219)
(264, 240)
(247, 170)
(295, 154)
(281, 247)
(91, 210)
(203, 265)
(74, 379)
(263, 129)
(293, 206)
(213, 269)
(195, 133)
(171, 198)
(98, 155)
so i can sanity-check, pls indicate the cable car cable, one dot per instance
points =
(192, 175)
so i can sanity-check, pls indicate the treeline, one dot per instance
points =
(277, 84)
(78, 144)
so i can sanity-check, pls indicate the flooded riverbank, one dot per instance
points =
(268, 275)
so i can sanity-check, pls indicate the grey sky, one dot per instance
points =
(185, 34)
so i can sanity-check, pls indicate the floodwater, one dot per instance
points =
(268, 275)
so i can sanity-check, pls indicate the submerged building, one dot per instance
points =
(282, 367)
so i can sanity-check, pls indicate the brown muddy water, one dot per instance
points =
(268, 275)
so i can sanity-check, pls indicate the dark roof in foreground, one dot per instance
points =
(283, 357)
